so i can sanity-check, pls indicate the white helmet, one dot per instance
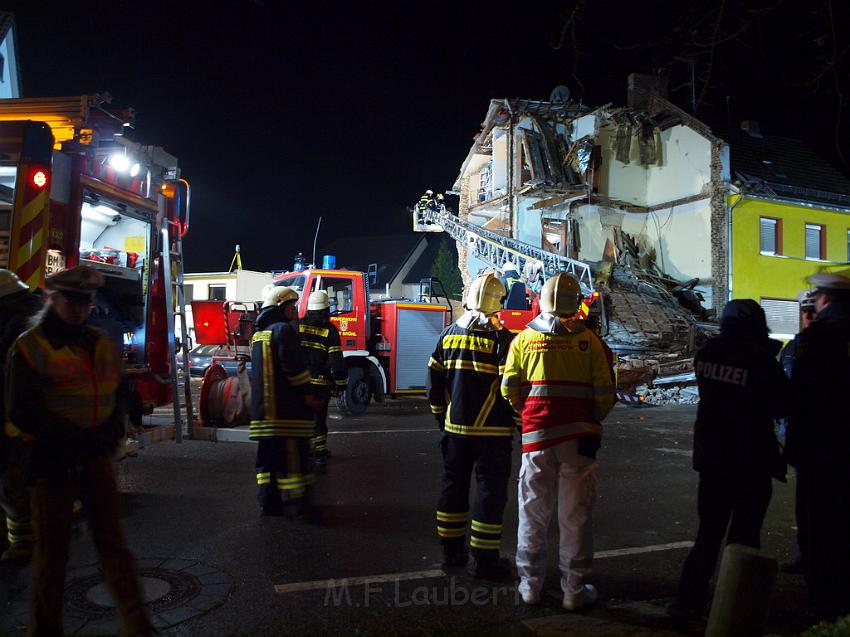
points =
(10, 283)
(278, 295)
(509, 267)
(485, 294)
(560, 295)
(429, 192)
(318, 300)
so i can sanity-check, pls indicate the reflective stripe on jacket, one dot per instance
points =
(463, 382)
(321, 346)
(77, 384)
(279, 380)
(559, 383)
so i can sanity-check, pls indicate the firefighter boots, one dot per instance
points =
(492, 567)
(455, 554)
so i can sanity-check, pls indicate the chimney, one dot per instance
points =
(642, 87)
(751, 128)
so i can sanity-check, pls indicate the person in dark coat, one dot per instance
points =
(742, 389)
(18, 306)
(281, 407)
(817, 443)
(322, 348)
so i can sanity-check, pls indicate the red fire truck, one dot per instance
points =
(74, 189)
(386, 343)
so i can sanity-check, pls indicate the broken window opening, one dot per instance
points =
(555, 235)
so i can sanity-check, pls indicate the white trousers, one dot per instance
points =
(556, 474)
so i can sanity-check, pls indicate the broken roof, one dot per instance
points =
(785, 168)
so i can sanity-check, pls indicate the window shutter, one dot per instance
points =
(813, 241)
(783, 317)
(767, 235)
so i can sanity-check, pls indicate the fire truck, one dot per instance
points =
(75, 189)
(386, 343)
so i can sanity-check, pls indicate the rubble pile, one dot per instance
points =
(672, 395)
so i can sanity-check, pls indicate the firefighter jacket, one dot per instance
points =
(61, 386)
(16, 312)
(279, 380)
(321, 347)
(558, 378)
(818, 428)
(463, 379)
(742, 388)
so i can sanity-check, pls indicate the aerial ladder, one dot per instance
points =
(496, 250)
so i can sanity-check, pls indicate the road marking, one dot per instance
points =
(642, 549)
(324, 584)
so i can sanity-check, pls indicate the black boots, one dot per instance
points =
(490, 565)
(455, 554)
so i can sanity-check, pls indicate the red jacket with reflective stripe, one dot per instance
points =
(560, 383)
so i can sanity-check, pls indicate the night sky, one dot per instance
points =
(284, 111)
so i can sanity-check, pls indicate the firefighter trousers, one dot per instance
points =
(491, 460)
(557, 476)
(320, 417)
(15, 496)
(284, 471)
(738, 503)
(52, 509)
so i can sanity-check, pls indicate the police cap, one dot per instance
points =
(77, 281)
(829, 282)
(806, 298)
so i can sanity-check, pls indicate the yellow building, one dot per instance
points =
(791, 220)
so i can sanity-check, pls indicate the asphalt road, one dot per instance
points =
(192, 505)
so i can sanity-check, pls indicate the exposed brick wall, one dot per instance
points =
(463, 214)
(719, 232)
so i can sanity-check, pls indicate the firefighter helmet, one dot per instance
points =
(509, 267)
(560, 295)
(429, 192)
(278, 295)
(318, 300)
(485, 294)
(10, 283)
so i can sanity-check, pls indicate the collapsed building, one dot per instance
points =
(671, 221)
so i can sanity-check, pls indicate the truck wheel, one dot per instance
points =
(357, 394)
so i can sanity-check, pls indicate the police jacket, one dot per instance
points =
(742, 389)
(819, 424)
(322, 349)
(464, 373)
(558, 378)
(61, 386)
(279, 380)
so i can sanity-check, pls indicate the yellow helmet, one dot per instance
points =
(485, 294)
(561, 295)
(278, 295)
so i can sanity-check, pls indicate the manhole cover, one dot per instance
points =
(154, 588)
(164, 590)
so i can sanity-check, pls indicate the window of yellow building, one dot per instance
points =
(815, 241)
(770, 235)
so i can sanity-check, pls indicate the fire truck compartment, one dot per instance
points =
(116, 239)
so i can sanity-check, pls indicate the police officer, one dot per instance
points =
(17, 308)
(281, 407)
(61, 382)
(323, 351)
(558, 377)
(477, 424)
(817, 440)
(742, 389)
